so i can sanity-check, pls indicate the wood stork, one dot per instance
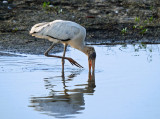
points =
(67, 33)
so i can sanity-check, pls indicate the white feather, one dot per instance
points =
(38, 27)
(60, 31)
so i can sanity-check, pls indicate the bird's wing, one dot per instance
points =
(60, 30)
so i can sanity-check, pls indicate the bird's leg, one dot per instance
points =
(68, 58)
(64, 52)
(47, 51)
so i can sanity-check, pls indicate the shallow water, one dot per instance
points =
(126, 85)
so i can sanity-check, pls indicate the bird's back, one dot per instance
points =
(58, 30)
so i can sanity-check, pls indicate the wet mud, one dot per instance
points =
(106, 21)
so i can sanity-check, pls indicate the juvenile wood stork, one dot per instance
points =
(67, 33)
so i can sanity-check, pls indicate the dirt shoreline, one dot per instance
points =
(108, 22)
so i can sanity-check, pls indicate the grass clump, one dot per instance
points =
(49, 7)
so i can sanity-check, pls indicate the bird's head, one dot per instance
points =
(91, 58)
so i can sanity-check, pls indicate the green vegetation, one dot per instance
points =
(49, 7)
(150, 19)
(14, 30)
(46, 5)
(140, 25)
(143, 31)
(124, 31)
(137, 19)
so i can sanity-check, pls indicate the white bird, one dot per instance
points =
(67, 33)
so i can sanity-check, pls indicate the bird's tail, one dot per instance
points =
(37, 27)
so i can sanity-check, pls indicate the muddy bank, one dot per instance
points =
(107, 22)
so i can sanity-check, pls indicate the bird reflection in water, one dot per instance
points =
(67, 102)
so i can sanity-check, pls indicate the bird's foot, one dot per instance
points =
(74, 62)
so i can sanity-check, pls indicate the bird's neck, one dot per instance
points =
(86, 50)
